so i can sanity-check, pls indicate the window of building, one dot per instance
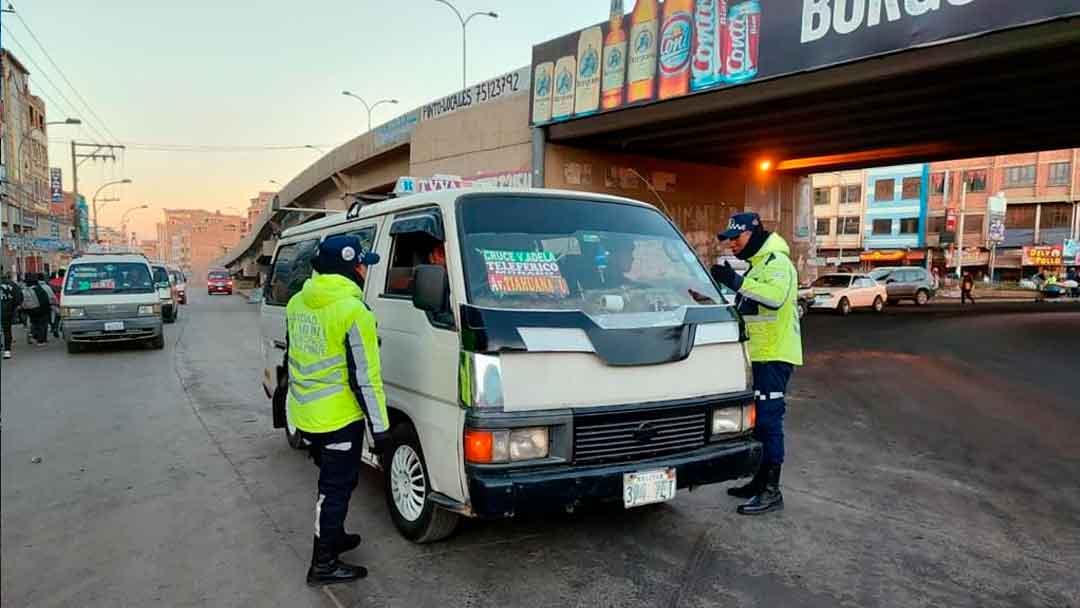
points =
(884, 190)
(937, 182)
(821, 196)
(909, 225)
(824, 226)
(848, 225)
(1020, 176)
(935, 225)
(881, 227)
(1059, 174)
(292, 267)
(973, 223)
(911, 188)
(1020, 216)
(850, 195)
(975, 180)
(1058, 215)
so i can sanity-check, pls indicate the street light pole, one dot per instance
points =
(123, 218)
(465, 21)
(366, 107)
(94, 201)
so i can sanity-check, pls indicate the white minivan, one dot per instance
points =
(540, 349)
(110, 297)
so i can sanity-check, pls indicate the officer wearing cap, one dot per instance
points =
(335, 385)
(767, 297)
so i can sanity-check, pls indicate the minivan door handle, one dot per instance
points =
(280, 345)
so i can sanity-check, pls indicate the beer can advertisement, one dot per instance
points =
(658, 50)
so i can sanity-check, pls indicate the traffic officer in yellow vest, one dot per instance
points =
(335, 385)
(767, 297)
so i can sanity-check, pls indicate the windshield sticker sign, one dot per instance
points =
(524, 272)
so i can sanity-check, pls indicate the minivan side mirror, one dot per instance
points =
(431, 288)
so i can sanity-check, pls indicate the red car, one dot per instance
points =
(219, 281)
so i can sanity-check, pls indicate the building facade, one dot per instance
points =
(838, 217)
(256, 207)
(193, 238)
(30, 244)
(1041, 195)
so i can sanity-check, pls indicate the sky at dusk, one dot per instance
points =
(227, 74)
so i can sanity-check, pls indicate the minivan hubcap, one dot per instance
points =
(407, 484)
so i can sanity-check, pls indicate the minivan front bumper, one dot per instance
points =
(495, 493)
(93, 330)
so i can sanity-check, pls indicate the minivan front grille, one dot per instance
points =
(637, 435)
(111, 311)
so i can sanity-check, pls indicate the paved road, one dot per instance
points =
(932, 462)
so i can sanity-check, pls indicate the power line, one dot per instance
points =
(165, 147)
(59, 91)
(64, 76)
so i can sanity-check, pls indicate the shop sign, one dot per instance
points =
(679, 47)
(56, 185)
(882, 256)
(973, 256)
(996, 206)
(503, 179)
(1071, 252)
(1042, 255)
(508, 85)
(397, 130)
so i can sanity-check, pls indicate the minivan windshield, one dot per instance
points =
(108, 277)
(541, 252)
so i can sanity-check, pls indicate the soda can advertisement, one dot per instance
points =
(710, 37)
(741, 45)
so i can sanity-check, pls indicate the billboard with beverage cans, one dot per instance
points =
(668, 49)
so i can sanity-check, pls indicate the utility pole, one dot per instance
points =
(96, 152)
(960, 229)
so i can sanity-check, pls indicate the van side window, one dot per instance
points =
(292, 267)
(366, 236)
(417, 240)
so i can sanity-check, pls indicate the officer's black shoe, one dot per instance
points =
(348, 542)
(326, 568)
(770, 499)
(751, 489)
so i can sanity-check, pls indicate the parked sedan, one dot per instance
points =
(843, 292)
(909, 283)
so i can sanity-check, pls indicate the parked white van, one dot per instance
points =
(110, 297)
(540, 350)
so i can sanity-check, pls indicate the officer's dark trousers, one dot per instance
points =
(770, 383)
(337, 454)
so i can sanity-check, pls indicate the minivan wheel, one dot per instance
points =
(802, 309)
(879, 304)
(922, 297)
(844, 307)
(158, 343)
(74, 347)
(407, 487)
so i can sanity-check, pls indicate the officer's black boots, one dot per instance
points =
(348, 542)
(751, 489)
(326, 568)
(769, 499)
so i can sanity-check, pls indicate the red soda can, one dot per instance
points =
(741, 45)
(710, 36)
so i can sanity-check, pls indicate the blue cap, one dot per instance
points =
(740, 223)
(341, 254)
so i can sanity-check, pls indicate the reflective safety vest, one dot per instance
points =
(333, 358)
(768, 299)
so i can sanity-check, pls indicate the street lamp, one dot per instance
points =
(465, 21)
(366, 106)
(123, 218)
(316, 148)
(94, 200)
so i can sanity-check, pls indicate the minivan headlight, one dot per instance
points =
(736, 419)
(484, 446)
(150, 309)
(71, 312)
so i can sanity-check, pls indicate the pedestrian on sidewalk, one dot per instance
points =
(11, 299)
(56, 283)
(967, 284)
(41, 316)
(767, 297)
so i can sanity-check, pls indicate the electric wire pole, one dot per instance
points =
(97, 152)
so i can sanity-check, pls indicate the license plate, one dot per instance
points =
(648, 487)
(820, 300)
(114, 326)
